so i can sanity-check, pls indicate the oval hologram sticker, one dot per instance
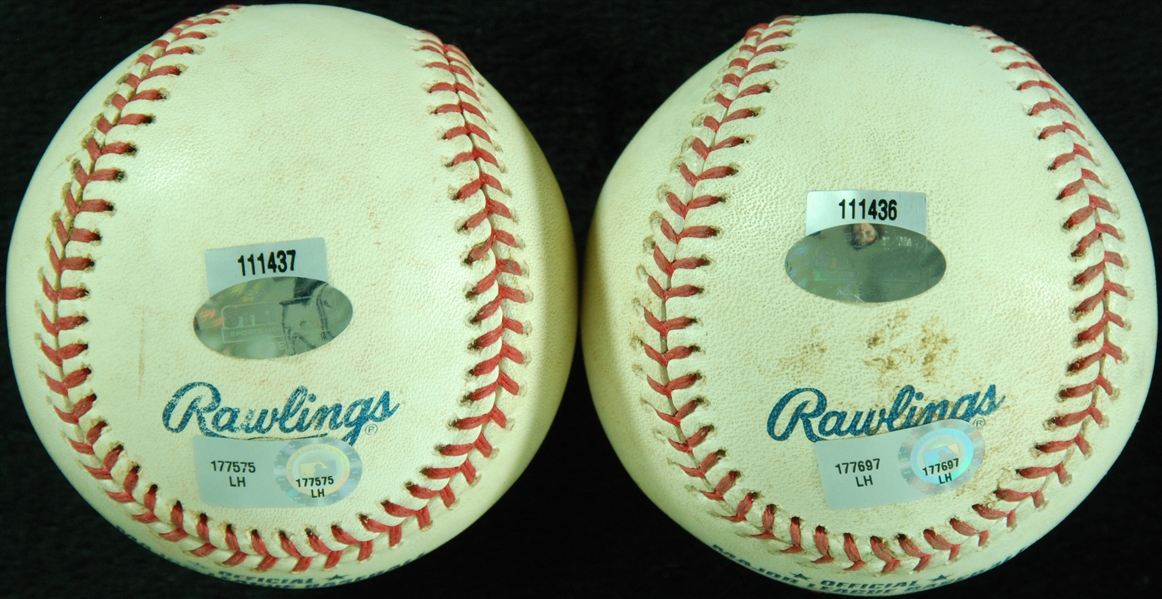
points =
(272, 317)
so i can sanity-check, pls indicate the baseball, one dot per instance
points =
(869, 304)
(291, 295)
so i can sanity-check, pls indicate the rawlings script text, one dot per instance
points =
(300, 414)
(808, 407)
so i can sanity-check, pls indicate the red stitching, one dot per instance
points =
(968, 531)
(461, 98)
(733, 85)
(851, 550)
(1093, 214)
(71, 238)
(822, 546)
(881, 550)
(942, 544)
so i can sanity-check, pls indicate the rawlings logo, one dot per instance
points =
(819, 424)
(203, 402)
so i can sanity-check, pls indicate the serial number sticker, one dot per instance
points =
(296, 473)
(900, 466)
(902, 209)
(227, 267)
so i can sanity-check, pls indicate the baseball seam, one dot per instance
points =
(194, 532)
(1094, 213)
(488, 190)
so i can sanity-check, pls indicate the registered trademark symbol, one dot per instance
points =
(978, 423)
(370, 429)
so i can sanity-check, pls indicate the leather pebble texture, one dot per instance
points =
(717, 377)
(443, 229)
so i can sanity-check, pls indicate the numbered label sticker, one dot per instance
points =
(901, 209)
(295, 473)
(900, 466)
(304, 259)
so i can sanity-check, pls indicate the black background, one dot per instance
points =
(583, 76)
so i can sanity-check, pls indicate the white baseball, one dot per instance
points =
(717, 377)
(443, 228)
